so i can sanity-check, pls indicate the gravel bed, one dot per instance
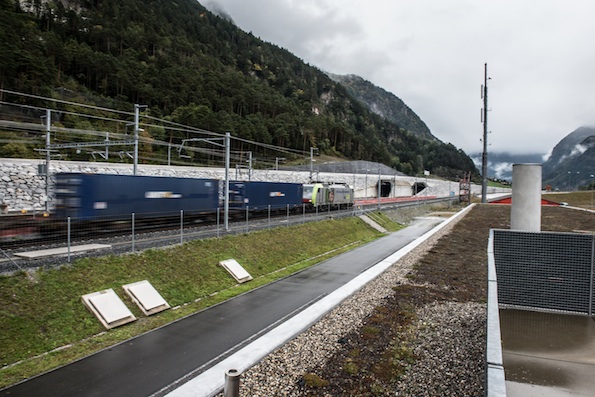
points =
(447, 336)
(450, 347)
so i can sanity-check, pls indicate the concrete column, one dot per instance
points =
(526, 198)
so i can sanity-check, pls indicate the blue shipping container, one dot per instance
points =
(258, 196)
(101, 196)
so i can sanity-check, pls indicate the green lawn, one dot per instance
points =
(583, 199)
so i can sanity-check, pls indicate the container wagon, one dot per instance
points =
(104, 197)
(258, 196)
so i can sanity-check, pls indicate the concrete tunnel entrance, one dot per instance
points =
(386, 188)
(418, 187)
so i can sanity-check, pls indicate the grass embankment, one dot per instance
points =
(582, 199)
(44, 324)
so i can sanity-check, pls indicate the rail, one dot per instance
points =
(131, 234)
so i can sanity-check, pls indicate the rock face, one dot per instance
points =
(23, 182)
(572, 161)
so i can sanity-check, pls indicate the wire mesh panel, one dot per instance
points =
(545, 270)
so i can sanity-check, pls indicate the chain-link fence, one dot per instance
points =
(31, 241)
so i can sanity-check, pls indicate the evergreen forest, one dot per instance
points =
(193, 68)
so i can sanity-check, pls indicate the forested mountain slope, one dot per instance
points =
(384, 103)
(197, 69)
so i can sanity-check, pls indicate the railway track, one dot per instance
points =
(121, 238)
(126, 240)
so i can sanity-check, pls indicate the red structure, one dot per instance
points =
(465, 188)
(508, 200)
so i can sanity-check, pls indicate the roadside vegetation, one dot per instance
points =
(384, 220)
(498, 183)
(44, 324)
(581, 199)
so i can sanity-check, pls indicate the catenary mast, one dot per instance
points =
(484, 156)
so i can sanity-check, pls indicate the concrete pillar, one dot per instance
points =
(526, 198)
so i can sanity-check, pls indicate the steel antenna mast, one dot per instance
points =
(484, 156)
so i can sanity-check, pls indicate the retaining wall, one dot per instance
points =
(23, 187)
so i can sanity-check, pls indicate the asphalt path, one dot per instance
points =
(154, 363)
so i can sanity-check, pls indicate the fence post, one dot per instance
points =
(133, 232)
(269, 217)
(68, 238)
(287, 215)
(592, 276)
(181, 226)
(247, 216)
(232, 383)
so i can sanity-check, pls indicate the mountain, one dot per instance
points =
(500, 163)
(384, 104)
(192, 67)
(572, 161)
(570, 164)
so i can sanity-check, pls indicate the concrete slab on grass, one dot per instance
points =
(61, 250)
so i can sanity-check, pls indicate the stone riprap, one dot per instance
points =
(23, 187)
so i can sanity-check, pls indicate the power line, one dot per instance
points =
(166, 125)
(64, 102)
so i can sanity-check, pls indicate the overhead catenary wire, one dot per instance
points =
(154, 123)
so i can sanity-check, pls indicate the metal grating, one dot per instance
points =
(553, 271)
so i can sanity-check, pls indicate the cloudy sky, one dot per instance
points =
(540, 56)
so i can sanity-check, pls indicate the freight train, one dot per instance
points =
(93, 197)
